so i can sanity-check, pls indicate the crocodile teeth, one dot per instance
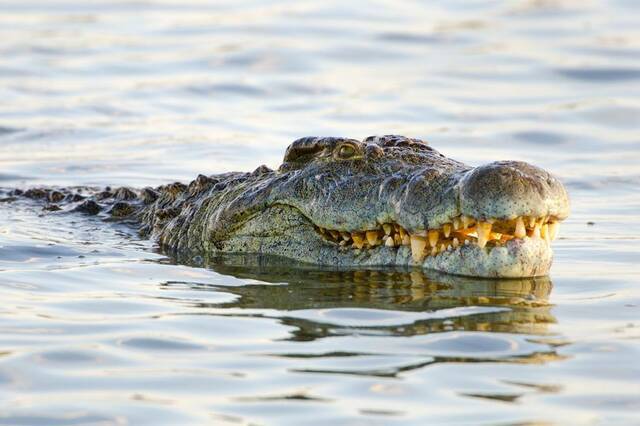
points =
(433, 238)
(418, 244)
(467, 221)
(449, 237)
(520, 231)
(544, 233)
(358, 240)
(446, 228)
(553, 230)
(484, 231)
(536, 231)
(389, 242)
(372, 238)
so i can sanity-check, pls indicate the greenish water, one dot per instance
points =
(97, 327)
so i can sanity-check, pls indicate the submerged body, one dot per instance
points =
(387, 200)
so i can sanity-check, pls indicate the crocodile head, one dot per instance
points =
(384, 201)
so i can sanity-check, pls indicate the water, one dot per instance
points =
(96, 327)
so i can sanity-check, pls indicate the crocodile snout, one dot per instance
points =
(508, 189)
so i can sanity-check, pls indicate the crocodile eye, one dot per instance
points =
(346, 151)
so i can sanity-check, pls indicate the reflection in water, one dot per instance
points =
(445, 302)
(94, 332)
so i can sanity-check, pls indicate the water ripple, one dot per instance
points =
(97, 327)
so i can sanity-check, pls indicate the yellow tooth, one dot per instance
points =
(433, 238)
(553, 230)
(536, 231)
(532, 222)
(358, 239)
(372, 238)
(387, 228)
(456, 223)
(447, 229)
(389, 242)
(544, 233)
(418, 244)
(345, 236)
(442, 247)
(484, 230)
(402, 232)
(397, 240)
(343, 243)
(520, 231)
(406, 240)
(467, 221)
(434, 251)
(456, 243)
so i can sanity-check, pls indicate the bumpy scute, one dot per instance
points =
(386, 200)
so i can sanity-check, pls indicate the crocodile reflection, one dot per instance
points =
(521, 305)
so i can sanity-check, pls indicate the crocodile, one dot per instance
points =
(344, 203)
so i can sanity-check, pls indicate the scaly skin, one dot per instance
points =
(330, 185)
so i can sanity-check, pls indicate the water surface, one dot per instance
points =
(97, 327)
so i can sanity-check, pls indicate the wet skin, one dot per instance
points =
(345, 203)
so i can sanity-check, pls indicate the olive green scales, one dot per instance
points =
(387, 200)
